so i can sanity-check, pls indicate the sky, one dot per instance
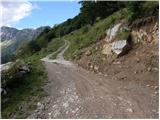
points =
(33, 14)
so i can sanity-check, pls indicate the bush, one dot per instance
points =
(151, 8)
(123, 34)
(138, 9)
(134, 9)
(85, 29)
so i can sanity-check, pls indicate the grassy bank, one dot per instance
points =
(22, 100)
(88, 35)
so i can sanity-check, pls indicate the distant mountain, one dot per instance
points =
(12, 39)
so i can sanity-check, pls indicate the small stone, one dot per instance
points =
(155, 69)
(54, 106)
(49, 114)
(100, 73)
(73, 111)
(65, 105)
(66, 112)
(117, 63)
(149, 69)
(39, 104)
(147, 85)
(154, 110)
(130, 110)
(156, 88)
(105, 75)
(96, 68)
(91, 66)
(135, 72)
(156, 93)
(137, 60)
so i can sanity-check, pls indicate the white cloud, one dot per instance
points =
(12, 12)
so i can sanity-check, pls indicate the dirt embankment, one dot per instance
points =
(139, 65)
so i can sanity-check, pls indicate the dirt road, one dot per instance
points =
(75, 93)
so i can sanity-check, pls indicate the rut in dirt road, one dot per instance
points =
(77, 93)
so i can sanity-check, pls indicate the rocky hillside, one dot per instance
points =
(120, 41)
(12, 38)
(130, 55)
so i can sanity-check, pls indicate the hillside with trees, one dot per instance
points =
(89, 47)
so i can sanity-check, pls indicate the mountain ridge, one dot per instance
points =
(13, 38)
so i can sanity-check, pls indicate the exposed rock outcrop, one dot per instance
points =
(144, 35)
(111, 32)
(115, 43)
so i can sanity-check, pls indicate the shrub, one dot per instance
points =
(123, 34)
(137, 9)
(150, 8)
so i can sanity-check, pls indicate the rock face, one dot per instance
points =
(144, 35)
(113, 44)
(8, 33)
(111, 32)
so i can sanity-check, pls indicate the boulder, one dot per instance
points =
(118, 46)
(121, 47)
(24, 69)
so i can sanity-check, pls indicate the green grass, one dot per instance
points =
(30, 91)
(123, 34)
(88, 35)
(55, 55)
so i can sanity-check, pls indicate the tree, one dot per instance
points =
(91, 10)
(134, 9)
